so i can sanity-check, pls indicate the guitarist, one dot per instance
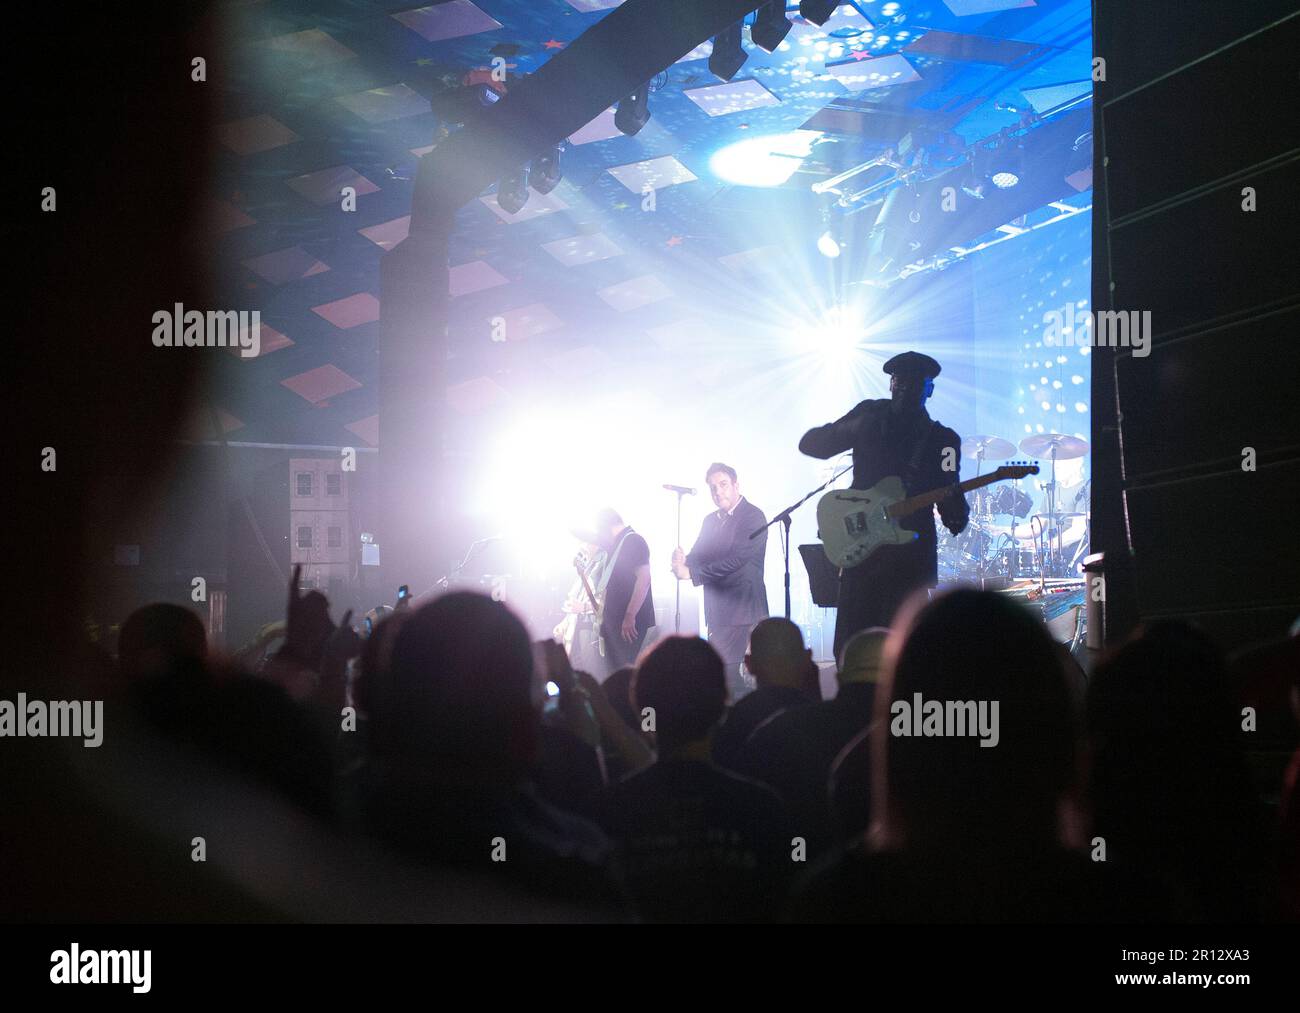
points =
(576, 631)
(894, 437)
(623, 589)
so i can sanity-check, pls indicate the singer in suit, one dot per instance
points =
(729, 565)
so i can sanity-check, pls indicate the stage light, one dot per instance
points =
(458, 99)
(544, 173)
(817, 11)
(512, 191)
(633, 111)
(835, 338)
(1006, 165)
(728, 55)
(768, 160)
(827, 246)
(770, 25)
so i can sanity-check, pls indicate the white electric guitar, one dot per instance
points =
(567, 627)
(853, 523)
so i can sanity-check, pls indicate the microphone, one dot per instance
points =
(681, 490)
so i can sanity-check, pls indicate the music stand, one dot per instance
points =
(823, 577)
(783, 518)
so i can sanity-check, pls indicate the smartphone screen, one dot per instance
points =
(543, 697)
(558, 668)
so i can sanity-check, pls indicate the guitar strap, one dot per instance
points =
(608, 570)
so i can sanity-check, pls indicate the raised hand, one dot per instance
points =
(307, 623)
(344, 643)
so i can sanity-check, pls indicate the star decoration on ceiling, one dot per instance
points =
(553, 44)
(673, 241)
(860, 54)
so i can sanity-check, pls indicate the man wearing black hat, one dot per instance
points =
(894, 437)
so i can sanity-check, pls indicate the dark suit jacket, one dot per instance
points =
(730, 566)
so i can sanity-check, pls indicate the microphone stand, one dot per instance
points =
(444, 582)
(783, 518)
(677, 584)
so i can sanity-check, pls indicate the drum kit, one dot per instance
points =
(1006, 537)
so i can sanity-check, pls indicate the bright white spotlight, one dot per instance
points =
(769, 160)
(836, 337)
(827, 245)
(1005, 180)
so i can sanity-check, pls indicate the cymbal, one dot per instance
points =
(1067, 447)
(1027, 531)
(995, 448)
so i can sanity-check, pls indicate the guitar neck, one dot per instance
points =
(913, 503)
(590, 596)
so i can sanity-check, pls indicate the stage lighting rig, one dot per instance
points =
(544, 173)
(633, 111)
(828, 243)
(894, 238)
(770, 25)
(1000, 162)
(972, 183)
(1007, 165)
(512, 191)
(457, 98)
(817, 11)
(728, 54)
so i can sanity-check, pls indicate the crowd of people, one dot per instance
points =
(448, 741)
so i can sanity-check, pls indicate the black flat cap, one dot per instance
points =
(913, 362)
